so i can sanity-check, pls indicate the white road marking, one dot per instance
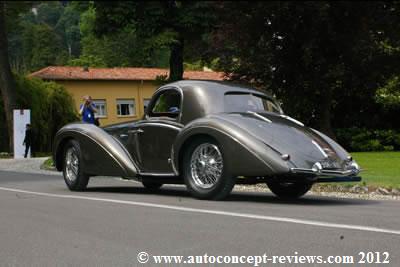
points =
(214, 212)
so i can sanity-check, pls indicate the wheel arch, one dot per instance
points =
(240, 152)
(189, 140)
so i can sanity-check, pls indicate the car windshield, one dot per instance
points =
(243, 102)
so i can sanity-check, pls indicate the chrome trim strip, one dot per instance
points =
(160, 125)
(156, 174)
(135, 131)
(259, 116)
(291, 119)
(320, 149)
(325, 172)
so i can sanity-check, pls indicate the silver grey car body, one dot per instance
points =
(258, 145)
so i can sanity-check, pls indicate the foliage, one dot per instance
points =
(323, 59)
(46, 35)
(47, 41)
(119, 48)
(197, 65)
(48, 164)
(172, 24)
(68, 28)
(362, 139)
(67, 37)
(87, 61)
(389, 95)
(51, 108)
(3, 129)
(331, 64)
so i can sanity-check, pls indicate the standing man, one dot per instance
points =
(87, 110)
(28, 139)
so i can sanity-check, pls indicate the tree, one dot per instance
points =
(7, 82)
(47, 34)
(321, 59)
(68, 28)
(389, 94)
(174, 24)
(115, 49)
(47, 48)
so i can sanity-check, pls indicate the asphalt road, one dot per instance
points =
(42, 223)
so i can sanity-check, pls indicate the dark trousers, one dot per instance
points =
(27, 147)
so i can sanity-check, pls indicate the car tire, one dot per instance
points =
(206, 175)
(74, 176)
(289, 190)
(151, 185)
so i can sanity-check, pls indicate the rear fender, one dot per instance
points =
(244, 155)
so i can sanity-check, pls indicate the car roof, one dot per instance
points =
(202, 97)
(215, 87)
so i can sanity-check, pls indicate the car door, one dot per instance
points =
(157, 132)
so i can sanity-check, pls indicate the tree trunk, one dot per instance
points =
(7, 83)
(176, 60)
(324, 122)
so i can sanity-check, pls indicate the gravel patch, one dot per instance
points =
(316, 191)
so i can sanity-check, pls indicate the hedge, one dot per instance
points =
(362, 139)
(51, 107)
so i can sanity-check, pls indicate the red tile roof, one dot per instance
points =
(146, 74)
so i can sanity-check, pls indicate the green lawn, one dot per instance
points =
(379, 168)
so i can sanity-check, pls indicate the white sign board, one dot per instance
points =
(21, 118)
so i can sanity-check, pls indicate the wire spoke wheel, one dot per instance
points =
(71, 164)
(73, 169)
(206, 165)
(205, 170)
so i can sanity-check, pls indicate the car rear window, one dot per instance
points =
(243, 102)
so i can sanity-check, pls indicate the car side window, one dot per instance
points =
(167, 104)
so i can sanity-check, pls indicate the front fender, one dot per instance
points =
(102, 154)
(244, 154)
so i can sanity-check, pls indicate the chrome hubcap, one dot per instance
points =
(71, 164)
(206, 165)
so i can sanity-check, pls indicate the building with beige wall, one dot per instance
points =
(120, 94)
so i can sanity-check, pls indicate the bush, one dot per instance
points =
(361, 139)
(51, 108)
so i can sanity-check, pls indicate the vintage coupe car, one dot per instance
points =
(209, 136)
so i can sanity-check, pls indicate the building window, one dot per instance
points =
(101, 107)
(125, 107)
(146, 102)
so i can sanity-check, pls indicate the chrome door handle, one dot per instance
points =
(123, 135)
(136, 131)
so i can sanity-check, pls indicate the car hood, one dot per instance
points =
(286, 135)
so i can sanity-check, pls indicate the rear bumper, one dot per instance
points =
(321, 173)
(329, 176)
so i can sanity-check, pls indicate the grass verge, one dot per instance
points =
(48, 164)
(379, 168)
